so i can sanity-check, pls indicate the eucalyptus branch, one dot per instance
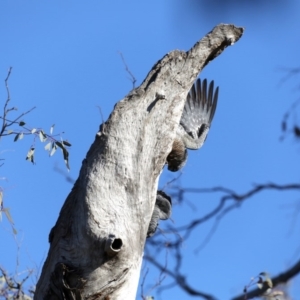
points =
(19, 117)
(53, 143)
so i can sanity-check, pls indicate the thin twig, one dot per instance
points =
(133, 80)
(6, 102)
(20, 116)
(7, 88)
(180, 279)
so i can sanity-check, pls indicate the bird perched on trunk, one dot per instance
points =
(162, 211)
(197, 115)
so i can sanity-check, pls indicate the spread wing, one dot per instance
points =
(198, 113)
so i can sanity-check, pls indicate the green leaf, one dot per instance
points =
(48, 146)
(8, 215)
(16, 137)
(19, 136)
(260, 285)
(33, 130)
(51, 129)
(66, 143)
(30, 156)
(9, 131)
(67, 164)
(60, 145)
(54, 147)
(269, 282)
(66, 158)
(42, 136)
(65, 154)
(22, 123)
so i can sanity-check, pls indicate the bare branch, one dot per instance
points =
(13, 288)
(279, 279)
(133, 79)
(161, 278)
(290, 72)
(180, 280)
(229, 201)
(7, 88)
(229, 195)
(287, 128)
(6, 102)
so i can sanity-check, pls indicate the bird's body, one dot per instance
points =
(197, 115)
(195, 122)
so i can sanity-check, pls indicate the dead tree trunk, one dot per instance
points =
(96, 245)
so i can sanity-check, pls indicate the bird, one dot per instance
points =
(196, 119)
(162, 211)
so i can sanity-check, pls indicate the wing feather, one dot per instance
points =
(199, 108)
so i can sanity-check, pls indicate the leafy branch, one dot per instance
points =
(7, 129)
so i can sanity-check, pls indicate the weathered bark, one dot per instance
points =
(96, 245)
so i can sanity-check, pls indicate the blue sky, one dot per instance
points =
(65, 62)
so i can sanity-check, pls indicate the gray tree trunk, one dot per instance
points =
(96, 245)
